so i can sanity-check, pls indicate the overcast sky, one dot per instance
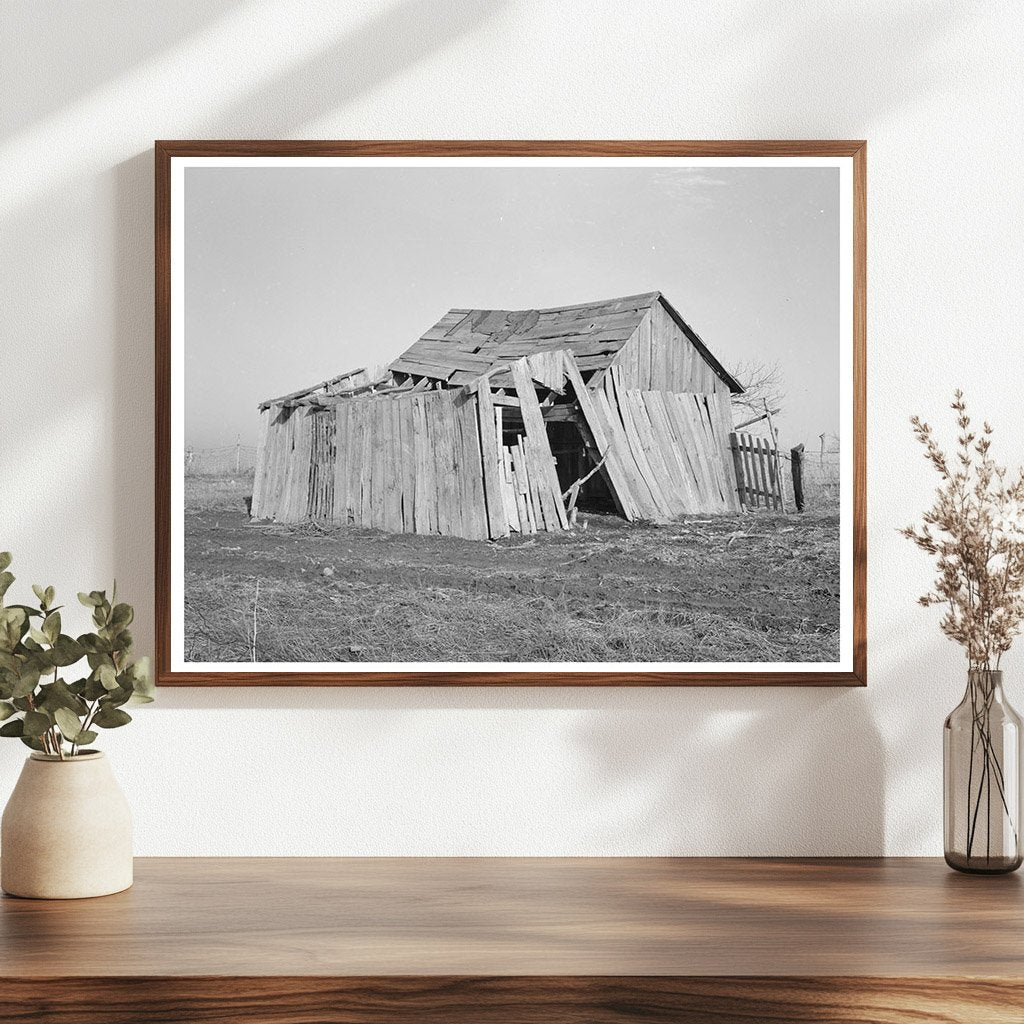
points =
(294, 275)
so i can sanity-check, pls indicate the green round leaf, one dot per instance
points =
(66, 651)
(13, 623)
(110, 717)
(94, 689)
(94, 645)
(36, 723)
(69, 723)
(59, 695)
(27, 682)
(115, 698)
(122, 615)
(51, 626)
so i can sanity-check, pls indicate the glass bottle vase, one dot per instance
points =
(981, 772)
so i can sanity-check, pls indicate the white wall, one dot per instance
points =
(936, 88)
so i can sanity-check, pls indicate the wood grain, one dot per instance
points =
(537, 1000)
(511, 147)
(871, 941)
(166, 150)
(500, 916)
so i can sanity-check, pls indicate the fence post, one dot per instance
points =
(780, 498)
(774, 477)
(796, 456)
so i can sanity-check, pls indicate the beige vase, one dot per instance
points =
(66, 831)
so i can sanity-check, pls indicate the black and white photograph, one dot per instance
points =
(549, 414)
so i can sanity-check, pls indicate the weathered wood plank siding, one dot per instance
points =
(669, 453)
(260, 475)
(415, 460)
(491, 450)
(424, 462)
(294, 503)
(541, 463)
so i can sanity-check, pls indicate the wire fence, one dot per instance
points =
(820, 478)
(820, 469)
(227, 460)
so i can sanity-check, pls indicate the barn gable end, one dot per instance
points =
(665, 354)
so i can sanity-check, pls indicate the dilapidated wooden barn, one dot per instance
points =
(499, 421)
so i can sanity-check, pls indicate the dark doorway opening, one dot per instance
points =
(573, 461)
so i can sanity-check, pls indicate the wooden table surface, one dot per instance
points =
(482, 939)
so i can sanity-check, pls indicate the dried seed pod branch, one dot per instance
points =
(975, 531)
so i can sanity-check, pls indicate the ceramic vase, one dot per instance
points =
(66, 831)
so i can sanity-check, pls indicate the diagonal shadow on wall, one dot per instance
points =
(392, 41)
(385, 45)
(52, 39)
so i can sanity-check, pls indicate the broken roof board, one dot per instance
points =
(467, 341)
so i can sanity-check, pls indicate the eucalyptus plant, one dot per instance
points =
(37, 703)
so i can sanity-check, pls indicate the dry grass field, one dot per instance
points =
(752, 587)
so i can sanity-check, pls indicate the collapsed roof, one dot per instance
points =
(467, 343)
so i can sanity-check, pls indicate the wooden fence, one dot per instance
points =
(758, 471)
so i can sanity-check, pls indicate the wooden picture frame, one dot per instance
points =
(850, 155)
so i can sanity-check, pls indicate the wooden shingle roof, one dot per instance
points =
(466, 343)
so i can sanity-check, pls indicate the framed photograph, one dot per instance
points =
(493, 413)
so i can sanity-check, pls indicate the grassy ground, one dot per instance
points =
(755, 587)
